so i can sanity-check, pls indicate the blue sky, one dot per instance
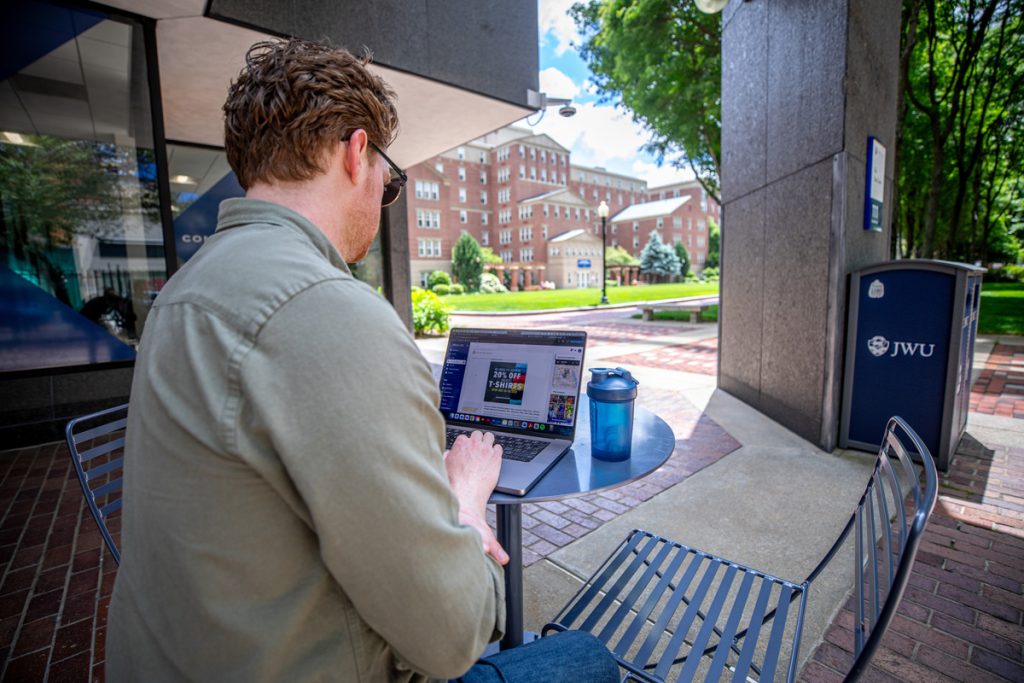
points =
(599, 134)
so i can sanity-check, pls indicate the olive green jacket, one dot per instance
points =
(287, 516)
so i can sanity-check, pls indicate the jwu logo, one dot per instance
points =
(879, 346)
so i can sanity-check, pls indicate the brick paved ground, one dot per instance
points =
(960, 619)
(56, 576)
(999, 390)
(700, 357)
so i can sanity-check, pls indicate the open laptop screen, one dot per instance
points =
(523, 380)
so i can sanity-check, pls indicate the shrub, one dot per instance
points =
(428, 313)
(709, 275)
(611, 283)
(1008, 273)
(438, 277)
(440, 289)
(456, 289)
(490, 284)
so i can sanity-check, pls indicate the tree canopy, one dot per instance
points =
(960, 115)
(661, 59)
(617, 256)
(961, 136)
(658, 258)
(467, 261)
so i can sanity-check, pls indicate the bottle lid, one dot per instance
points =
(611, 384)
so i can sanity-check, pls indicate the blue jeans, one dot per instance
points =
(567, 657)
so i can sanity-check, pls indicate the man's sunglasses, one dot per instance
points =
(393, 188)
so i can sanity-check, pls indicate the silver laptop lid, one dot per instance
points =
(523, 381)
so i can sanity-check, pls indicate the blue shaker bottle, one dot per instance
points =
(612, 392)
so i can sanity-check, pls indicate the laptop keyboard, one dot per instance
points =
(512, 448)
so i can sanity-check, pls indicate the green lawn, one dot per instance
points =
(1002, 308)
(572, 298)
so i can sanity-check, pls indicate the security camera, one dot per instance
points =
(567, 110)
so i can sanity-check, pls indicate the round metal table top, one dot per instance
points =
(576, 472)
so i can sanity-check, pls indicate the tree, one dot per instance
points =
(714, 245)
(962, 73)
(488, 256)
(661, 60)
(658, 258)
(467, 261)
(617, 256)
(684, 259)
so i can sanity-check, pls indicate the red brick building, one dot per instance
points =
(513, 191)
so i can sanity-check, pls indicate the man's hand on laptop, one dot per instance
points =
(473, 464)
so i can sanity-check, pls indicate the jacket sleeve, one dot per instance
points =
(351, 408)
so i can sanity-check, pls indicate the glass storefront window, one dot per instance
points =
(81, 242)
(201, 179)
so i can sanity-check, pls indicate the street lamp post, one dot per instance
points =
(602, 211)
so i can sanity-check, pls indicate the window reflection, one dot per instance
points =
(81, 244)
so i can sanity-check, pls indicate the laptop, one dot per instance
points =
(522, 385)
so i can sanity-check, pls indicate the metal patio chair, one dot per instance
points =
(96, 442)
(668, 612)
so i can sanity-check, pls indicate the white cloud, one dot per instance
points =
(602, 135)
(554, 18)
(557, 84)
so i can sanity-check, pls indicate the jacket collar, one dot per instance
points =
(241, 211)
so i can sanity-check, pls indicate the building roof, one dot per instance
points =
(561, 195)
(639, 212)
(570, 234)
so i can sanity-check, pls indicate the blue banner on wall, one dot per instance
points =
(199, 221)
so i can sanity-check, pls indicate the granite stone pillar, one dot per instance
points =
(803, 86)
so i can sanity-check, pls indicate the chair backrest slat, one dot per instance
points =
(100, 450)
(898, 443)
(96, 444)
(101, 430)
(101, 470)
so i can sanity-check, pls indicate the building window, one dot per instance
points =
(428, 219)
(462, 153)
(483, 197)
(677, 221)
(429, 248)
(636, 226)
(636, 242)
(544, 175)
(615, 228)
(533, 173)
(483, 177)
(522, 171)
(463, 217)
(660, 223)
(533, 154)
(544, 231)
(483, 219)
(543, 156)
(544, 210)
(522, 151)
(462, 195)
(526, 254)
(439, 167)
(525, 234)
(485, 238)
(462, 173)
(700, 241)
(700, 225)
(700, 258)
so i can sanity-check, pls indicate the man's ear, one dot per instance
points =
(354, 154)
